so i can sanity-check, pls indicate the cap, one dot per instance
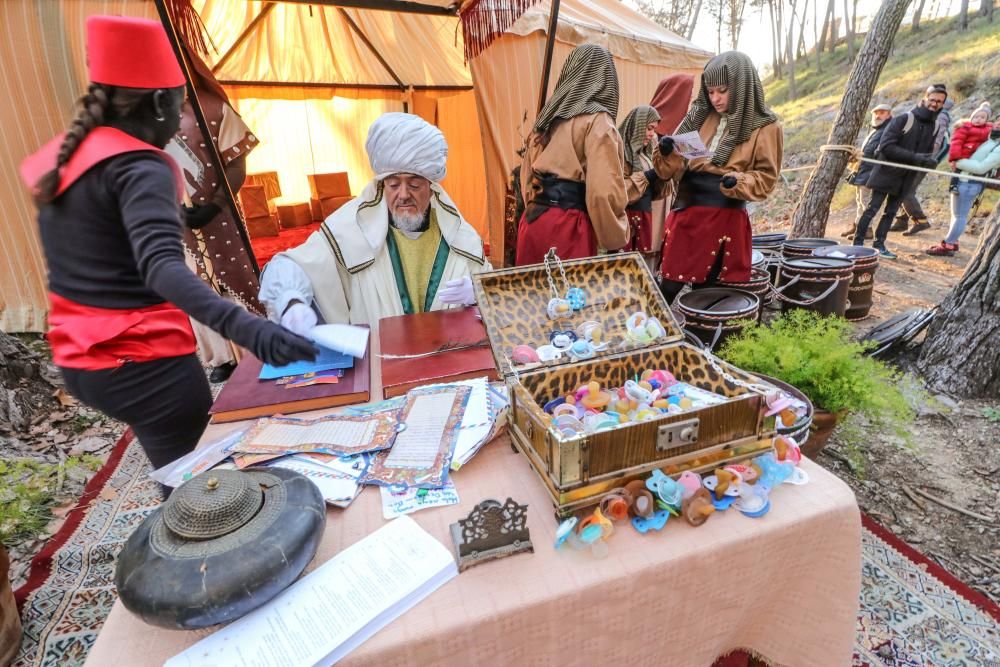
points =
(131, 52)
(882, 107)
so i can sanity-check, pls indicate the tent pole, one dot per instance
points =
(401, 6)
(550, 42)
(199, 115)
(378, 56)
(243, 36)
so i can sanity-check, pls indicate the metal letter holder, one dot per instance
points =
(492, 530)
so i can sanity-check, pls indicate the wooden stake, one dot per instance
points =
(909, 494)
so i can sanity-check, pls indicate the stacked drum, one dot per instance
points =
(759, 283)
(865, 265)
(816, 283)
(792, 248)
(769, 245)
(716, 313)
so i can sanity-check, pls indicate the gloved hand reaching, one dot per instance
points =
(926, 160)
(458, 291)
(651, 177)
(299, 318)
(197, 217)
(276, 345)
(666, 146)
(729, 181)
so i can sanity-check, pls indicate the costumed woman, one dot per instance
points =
(571, 174)
(109, 216)
(708, 235)
(638, 132)
(671, 100)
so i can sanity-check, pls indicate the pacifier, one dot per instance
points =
(643, 504)
(581, 349)
(639, 393)
(567, 408)
(524, 354)
(593, 397)
(553, 404)
(562, 340)
(655, 522)
(564, 530)
(615, 504)
(669, 491)
(698, 507)
(773, 472)
(548, 353)
(654, 329)
(590, 330)
(787, 450)
(558, 308)
(576, 298)
(601, 421)
(776, 402)
(753, 501)
(690, 483)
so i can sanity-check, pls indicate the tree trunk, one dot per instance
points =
(960, 355)
(825, 32)
(850, 33)
(916, 16)
(694, 20)
(792, 94)
(801, 48)
(963, 16)
(775, 42)
(984, 7)
(819, 51)
(834, 29)
(813, 209)
(24, 391)
(989, 10)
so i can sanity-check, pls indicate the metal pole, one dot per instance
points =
(401, 6)
(206, 133)
(550, 43)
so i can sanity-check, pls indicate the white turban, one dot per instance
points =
(401, 143)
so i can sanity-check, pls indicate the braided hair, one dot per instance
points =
(92, 109)
(128, 109)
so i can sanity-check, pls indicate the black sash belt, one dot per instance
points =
(551, 191)
(698, 188)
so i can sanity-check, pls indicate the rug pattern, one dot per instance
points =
(912, 613)
(63, 612)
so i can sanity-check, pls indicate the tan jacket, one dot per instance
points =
(756, 163)
(636, 182)
(586, 149)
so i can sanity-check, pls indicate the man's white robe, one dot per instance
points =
(344, 269)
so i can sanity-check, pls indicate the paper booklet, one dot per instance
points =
(411, 500)
(690, 145)
(337, 434)
(331, 611)
(202, 459)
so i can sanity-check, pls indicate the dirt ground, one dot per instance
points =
(954, 457)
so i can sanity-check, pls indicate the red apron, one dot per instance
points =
(567, 230)
(695, 238)
(641, 224)
(93, 338)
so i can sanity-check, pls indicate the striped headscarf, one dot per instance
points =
(747, 111)
(587, 84)
(633, 131)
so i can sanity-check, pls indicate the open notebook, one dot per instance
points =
(331, 611)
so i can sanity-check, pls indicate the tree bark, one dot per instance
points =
(963, 16)
(694, 20)
(916, 16)
(825, 32)
(961, 355)
(819, 51)
(789, 45)
(813, 209)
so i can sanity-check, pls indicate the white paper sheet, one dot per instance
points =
(690, 145)
(333, 433)
(418, 445)
(343, 338)
(411, 500)
(202, 459)
(336, 488)
(330, 612)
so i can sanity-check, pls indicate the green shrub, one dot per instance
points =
(817, 355)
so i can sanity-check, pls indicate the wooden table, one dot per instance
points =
(784, 586)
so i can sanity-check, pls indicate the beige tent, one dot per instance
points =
(310, 78)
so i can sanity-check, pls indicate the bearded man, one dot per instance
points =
(401, 247)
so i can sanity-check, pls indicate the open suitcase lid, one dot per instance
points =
(513, 304)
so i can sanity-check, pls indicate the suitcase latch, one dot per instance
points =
(671, 435)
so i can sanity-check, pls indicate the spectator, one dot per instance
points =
(912, 210)
(984, 160)
(970, 135)
(908, 140)
(881, 115)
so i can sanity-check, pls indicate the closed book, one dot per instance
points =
(434, 347)
(245, 396)
(329, 185)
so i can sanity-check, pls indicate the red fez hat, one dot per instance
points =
(131, 52)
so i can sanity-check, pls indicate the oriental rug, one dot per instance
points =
(912, 612)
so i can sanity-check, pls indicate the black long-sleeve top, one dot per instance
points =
(113, 240)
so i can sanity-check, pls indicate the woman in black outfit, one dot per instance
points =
(110, 224)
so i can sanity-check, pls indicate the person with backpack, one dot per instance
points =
(881, 115)
(984, 162)
(912, 220)
(908, 140)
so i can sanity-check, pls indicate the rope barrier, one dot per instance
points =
(854, 150)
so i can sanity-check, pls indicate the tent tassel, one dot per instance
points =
(189, 25)
(485, 20)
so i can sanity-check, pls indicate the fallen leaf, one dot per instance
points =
(64, 398)
(61, 511)
(107, 493)
(89, 445)
(60, 438)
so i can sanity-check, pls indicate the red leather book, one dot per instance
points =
(247, 397)
(443, 346)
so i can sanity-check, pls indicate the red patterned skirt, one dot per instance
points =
(698, 236)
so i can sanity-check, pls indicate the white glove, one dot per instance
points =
(458, 292)
(299, 318)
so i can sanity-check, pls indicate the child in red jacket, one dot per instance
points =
(969, 136)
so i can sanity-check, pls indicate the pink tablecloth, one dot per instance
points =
(784, 586)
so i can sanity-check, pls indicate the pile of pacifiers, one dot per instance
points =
(587, 339)
(785, 408)
(649, 504)
(652, 394)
